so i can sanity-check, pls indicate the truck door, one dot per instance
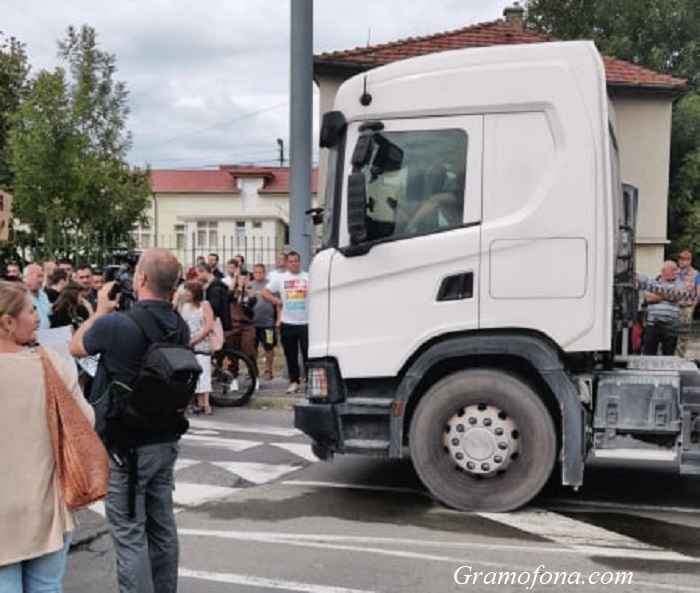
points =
(414, 274)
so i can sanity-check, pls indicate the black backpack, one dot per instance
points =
(153, 409)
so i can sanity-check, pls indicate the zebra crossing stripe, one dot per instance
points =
(202, 424)
(189, 495)
(299, 449)
(185, 463)
(235, 445)
(257, 473)
(588, 539)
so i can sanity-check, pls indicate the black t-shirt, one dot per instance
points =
(51, 294)
(61, 317)
(121, 344)
(218, 297)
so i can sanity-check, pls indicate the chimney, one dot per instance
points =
(514, 16)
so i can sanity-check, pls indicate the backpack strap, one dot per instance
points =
(148, 325)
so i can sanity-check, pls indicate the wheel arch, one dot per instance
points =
(528, 356)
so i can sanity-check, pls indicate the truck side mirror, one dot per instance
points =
(357, 208)
(630, 198)
(331, 128)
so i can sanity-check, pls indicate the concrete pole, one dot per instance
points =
(301, 107)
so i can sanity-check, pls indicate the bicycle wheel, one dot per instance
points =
(233, 378)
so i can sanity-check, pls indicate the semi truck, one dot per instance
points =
(470, 302)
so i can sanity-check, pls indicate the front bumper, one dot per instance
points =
(319, 421)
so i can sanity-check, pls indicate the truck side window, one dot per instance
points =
(415, 183)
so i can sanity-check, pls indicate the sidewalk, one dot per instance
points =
(273, 394)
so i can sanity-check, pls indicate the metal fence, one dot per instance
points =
(100, 252)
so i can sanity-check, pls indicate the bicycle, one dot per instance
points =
(233, 378)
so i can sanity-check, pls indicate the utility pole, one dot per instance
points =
(301, 85)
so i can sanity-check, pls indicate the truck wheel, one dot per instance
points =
(481, 440)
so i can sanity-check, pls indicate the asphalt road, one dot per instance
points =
(257, 513)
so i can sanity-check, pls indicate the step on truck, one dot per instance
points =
(470, 304)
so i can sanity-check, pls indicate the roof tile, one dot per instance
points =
(618, 72)
(223, 179)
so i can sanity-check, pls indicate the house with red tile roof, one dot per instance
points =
(642, 100)
(230, 210)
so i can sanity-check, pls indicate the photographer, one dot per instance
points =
(145, 540)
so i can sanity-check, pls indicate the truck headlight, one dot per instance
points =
(317, 383)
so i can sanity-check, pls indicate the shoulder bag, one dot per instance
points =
(82, 464)
(216, 336)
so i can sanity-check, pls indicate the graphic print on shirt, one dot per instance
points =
(295, 294)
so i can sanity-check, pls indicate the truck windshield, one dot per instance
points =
(415, 182)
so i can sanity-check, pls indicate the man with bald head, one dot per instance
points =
(139, 505)
(661, 327)
(34, 281)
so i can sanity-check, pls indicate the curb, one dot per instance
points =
(272, 402)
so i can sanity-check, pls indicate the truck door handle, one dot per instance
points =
(457, 287)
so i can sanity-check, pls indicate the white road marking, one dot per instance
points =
(299, 449)
(235, 445)
(185, 463)
(307, 542)
(98, 507)
(625, 507)
(258, 473)
(325, 542)
(251, 581)
(588, 539)
(248, 428)
(203, 432)
(186, 494)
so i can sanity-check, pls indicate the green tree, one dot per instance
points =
(663, 35)
(14, 70)
(68, 152)
(657, 34)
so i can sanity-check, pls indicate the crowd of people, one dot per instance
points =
(252, 308)
(254, 323)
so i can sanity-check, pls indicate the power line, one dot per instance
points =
(216, 125)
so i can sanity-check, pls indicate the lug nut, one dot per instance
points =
(499, 431)
(498, 459)
(460, 428)
(502, 446)
(472, 420)
(488, 422)
(471, 465)
(455, 442)
(485, 466)
(459, 456)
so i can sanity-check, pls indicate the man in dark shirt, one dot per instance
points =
(146, 543)
(57, 282)
(216, 292)
(83, 276)
(213, 261)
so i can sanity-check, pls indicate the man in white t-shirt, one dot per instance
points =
(292, 315)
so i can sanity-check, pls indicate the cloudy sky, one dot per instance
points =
(209, 79)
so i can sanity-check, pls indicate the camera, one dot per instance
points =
(122, 275)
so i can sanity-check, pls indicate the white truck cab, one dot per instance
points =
(477, 270)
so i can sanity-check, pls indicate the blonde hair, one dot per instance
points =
(13, 297)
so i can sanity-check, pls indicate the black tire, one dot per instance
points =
(462, 415)
(233, 379)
